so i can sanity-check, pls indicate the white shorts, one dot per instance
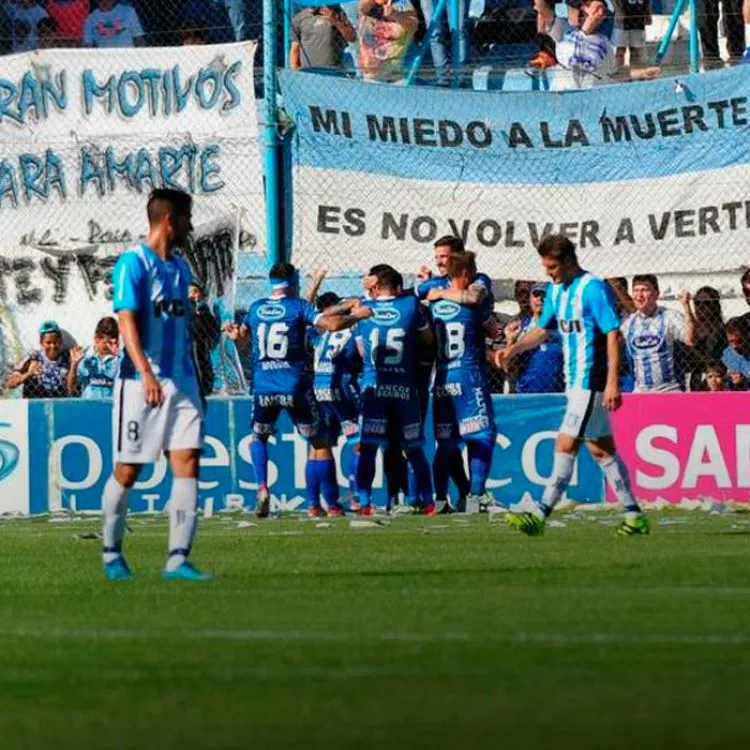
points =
(585, 415)
(634, 39)
(142, 432)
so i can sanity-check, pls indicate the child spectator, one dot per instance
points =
(92, 373)
(44, 373)
(25, 16)
(736, 356)
(631, 19)
(193, 33)
(386, 28)
(710, 336)
(70, 16)
(716, 374)
(113, 25)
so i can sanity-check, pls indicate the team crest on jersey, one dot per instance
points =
(445, 309)
(386, 315)
(271, 312)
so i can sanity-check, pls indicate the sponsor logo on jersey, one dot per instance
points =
(445, 309)
(386, 315)
(646, 341)
(271, 312)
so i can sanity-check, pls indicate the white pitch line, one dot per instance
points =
(301, 636)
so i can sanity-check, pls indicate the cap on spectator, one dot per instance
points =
(540, 286)
(197, 286)
(49, 326)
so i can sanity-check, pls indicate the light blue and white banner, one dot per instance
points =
(648, 176)
(57, 455)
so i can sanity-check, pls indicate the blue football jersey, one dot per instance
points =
(459, 330)
(443, 282)
(96, 375)
(157, 291)
(278, 327)
(337, 363)
(584, 312)
(389, 341)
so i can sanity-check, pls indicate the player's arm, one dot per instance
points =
(333, 323)
(72, 380)
(474, 295)
(612, 397)
(599, 302)
(317, 281)
(688, 334)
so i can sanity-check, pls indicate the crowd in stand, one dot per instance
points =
(692, 349)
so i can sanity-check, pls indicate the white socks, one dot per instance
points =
(183, 516)
(617, 477)
(562, 471)
(114, 512)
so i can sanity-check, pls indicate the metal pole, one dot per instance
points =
(270, 136)
(694, 53)
(454, 22)
(287, 30)
(438, 9)
(667, 38)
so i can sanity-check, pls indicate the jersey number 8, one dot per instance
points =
(273, 342)
(451, 343)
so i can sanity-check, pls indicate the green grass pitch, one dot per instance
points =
(422, 633)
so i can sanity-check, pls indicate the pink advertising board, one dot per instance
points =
(686, 445)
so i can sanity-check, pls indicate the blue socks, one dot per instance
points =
(366, 472)
(441, 469)
(320, 477)
(457, 471)
(480, 461)
(259, 457)
(422, 474)
(351, 472)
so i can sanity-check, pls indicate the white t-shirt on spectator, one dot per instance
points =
(25, 19)
(590, 58)
(118, 27)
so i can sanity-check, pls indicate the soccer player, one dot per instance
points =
(277, 325)
(337, 365)
(461, 395)
(651, 333)
(93, 373)
(582, 308)
(157, 401)
(388, 342)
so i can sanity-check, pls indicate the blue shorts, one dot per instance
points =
(462, 410)
(300, 405)
(391, 413)
(338, 418)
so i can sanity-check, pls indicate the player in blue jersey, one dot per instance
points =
(582, 307)
(157, 402)
(277, 326)
(337, 365)
(92, 372)
(388, 342)
(462, 405)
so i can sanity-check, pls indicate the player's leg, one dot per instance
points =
(373, 431)
(406, 413)
(183, 445)
(447, 439)
(347, 412)
(265, 413)
(603, 451)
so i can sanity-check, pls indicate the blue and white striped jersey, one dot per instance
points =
(157, 291)
(96, 375)
(650, 340)
(584, 312)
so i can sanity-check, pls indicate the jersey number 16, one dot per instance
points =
(273, 342)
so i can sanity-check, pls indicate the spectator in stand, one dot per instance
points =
(651, 333)
(319, 37)
(193, 34)
(736, 355)
(49, 35)
(386, 29)
(710, 336)
(745, 285)
(708, 27)
(25, 16)
(522, 294)
(716, 377)
(440, 39)
(631, 19)
(44, 373)
(206, 336)
(113, 24)
(214, 16)
(92, 372)
(539, 370)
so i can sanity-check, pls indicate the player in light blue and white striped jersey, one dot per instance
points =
(582, 307)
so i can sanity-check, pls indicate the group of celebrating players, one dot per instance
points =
(376, 360)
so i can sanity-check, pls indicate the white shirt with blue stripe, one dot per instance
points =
(157, 291)
(584, 312)
(650, 340)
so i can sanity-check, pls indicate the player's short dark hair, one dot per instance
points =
(646, 278)
(458, 263)
(456, 244)
(328, 299)
(377, 268)
(282, 271)
(745, 278)
(107, 328)
(391, 279)
(163, 201)
(716, 365)
(557, 246)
